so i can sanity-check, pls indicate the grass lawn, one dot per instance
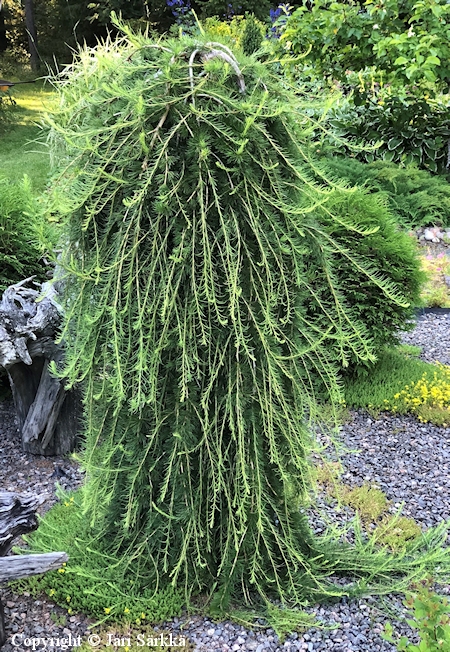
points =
(23, 149)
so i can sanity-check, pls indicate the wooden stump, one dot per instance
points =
(48, 415)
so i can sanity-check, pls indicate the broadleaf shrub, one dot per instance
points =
(393, 128)
(404, 48)
(430, 615)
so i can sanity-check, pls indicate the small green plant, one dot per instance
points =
(428, 398)
(410, 349)
(59, 620)
(371, 505)
(430, 617)
(369, 502)
(286, 621)
(328, 473)
(373, 388)
(396, 531)
(252, 36)
(90, 582)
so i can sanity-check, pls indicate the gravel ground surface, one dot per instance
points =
(432, 333)
(409, 461)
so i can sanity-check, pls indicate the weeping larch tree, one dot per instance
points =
(204, 319)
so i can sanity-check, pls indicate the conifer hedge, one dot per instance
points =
(205, 319)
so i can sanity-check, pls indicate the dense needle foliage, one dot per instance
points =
(20, 256)
(204, 317)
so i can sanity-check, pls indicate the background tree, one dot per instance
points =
(3, 37)
(30, 24)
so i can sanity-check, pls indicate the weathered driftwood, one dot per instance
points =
(20, 566)
(29, 322)
(18, 516)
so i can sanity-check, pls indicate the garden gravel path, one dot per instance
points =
(408, 460)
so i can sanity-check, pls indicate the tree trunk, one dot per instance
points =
(48, 415)
(3, 37)
(32, 34)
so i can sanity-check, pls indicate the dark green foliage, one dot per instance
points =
(252, 36)
(414, 197)
(388, 250)
(410, 130)
(224, 9)
(206, 313)
(19, 252)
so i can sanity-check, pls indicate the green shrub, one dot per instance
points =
(252, 36)
(381, 245)
(20, 256)
(403, 129)
(414, 197)
(405, 49)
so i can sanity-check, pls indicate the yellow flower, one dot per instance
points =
(126, 610)
(106, 610)
(68, 598)
(61, 570)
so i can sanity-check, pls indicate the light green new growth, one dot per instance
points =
(203, 318)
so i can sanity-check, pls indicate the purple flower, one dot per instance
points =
(179, 8)
(279, 18)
